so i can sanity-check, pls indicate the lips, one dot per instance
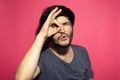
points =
(63, 37)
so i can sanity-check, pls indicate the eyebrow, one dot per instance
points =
(54, 24)
(66, 22)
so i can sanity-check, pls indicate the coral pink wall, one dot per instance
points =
(97, 27)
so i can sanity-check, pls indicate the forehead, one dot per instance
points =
(62, 19)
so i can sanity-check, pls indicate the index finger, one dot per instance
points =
(56, 14)
(52, 13)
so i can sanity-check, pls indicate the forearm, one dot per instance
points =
(29, 63)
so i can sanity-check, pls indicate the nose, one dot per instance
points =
(62, 29)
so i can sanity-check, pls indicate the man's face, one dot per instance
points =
(64, 36)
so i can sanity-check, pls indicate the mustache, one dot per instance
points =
(65, 35)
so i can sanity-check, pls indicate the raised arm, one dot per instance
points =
(28, 68)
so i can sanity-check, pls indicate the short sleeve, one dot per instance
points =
(41, 61)
(90, 73)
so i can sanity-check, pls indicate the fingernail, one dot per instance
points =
(60, 9)
(56, 8)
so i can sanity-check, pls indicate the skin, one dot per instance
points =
(60, 44)
(61, 37)
(28, 68)
(64, 36)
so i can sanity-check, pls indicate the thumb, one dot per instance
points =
(57, 30)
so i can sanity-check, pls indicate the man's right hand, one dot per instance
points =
(46, 30)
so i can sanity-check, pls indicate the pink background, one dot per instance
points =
(97, 27)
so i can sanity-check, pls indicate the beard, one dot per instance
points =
(65, 45)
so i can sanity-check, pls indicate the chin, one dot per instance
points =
(63, 45)
(66, 45)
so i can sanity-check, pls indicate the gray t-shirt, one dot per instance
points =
(53, 68)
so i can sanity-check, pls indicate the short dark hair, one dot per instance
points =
(65, 12)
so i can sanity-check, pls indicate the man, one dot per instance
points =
(59, 60)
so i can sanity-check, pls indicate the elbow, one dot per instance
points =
(19, 76)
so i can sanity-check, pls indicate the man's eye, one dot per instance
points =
(67, 23)
(54, 25)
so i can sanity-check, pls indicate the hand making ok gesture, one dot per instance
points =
(47, 30)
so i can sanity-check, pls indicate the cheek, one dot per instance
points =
(69, 30)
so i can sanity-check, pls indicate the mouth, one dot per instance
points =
(63, 37)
